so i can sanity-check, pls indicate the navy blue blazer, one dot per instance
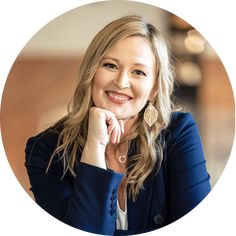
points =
(88, 201)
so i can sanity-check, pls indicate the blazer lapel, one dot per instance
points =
(138, 211)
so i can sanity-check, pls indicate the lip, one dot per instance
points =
(118, 97)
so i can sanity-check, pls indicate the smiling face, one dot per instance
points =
(125, 78)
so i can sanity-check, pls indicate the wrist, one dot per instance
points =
(94, 154)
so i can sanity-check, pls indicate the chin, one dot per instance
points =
(124, 117)
(119, 116)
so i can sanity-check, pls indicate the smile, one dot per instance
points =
(117, 97)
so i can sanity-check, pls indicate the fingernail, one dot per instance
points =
(113, 140)
(123, 128)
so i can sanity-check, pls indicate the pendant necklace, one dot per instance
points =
(122, 159)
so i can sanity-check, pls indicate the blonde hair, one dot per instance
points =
(73, 127)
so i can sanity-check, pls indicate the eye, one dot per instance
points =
(139, 73)
(110, 66)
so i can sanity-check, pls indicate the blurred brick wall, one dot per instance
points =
(35, 95)
(216, 116)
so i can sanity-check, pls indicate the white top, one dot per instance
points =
(121, 219)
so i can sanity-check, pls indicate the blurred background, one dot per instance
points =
(41, 81)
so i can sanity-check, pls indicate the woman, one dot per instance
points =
(122, 161)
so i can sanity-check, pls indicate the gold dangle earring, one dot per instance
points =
(150, 115)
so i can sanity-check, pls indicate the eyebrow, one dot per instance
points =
(118, 61)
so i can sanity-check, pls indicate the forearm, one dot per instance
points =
(92, 205)
(94, 154)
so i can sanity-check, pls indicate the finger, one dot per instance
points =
(113, 129)
(118, 133)
(110, 120)
(119, 127)
(119, 130)
(113, 136)
(122, 126)
(110, 128)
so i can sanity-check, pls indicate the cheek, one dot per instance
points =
(142, 91)
(101, 80)
(95, 87)
(99, 84)
(97, 81)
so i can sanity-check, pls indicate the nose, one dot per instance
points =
(122, 80)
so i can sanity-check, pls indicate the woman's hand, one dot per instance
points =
(103, 128)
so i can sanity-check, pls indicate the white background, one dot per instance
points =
(20, 20)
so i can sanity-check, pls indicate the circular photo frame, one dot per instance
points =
(43, 78)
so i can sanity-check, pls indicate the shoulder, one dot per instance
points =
(43, 144)
(181, 124)
(179, 118)
(183, 145)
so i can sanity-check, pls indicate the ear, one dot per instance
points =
(153, 92)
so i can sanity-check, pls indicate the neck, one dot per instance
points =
(128, 123)
(116, 157)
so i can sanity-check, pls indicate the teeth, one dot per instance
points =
(118, 96)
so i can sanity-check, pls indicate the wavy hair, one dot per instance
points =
(74, 126)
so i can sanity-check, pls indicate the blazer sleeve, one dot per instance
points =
(188, 180)
(87, 202)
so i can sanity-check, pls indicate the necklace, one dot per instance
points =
(122, 159)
